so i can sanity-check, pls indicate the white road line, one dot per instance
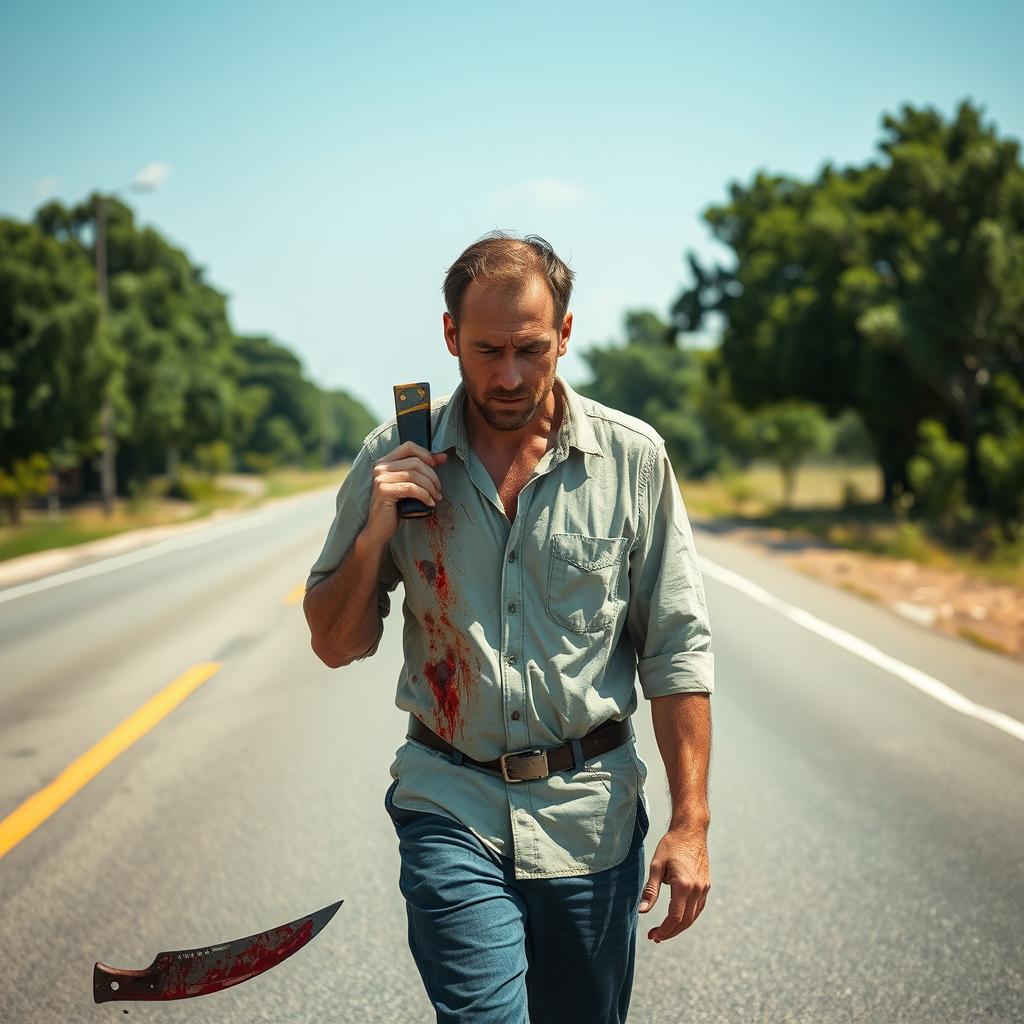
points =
(144, 554)
(921, 680)
(840, 637)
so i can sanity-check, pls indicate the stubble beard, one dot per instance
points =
(494, 416)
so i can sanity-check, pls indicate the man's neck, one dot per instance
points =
(501, 444)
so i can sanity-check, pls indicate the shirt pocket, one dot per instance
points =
(583, 581)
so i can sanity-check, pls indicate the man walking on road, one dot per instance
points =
(556, 568)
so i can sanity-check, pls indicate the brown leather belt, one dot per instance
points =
(533, 763)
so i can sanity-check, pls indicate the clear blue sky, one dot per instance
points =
(328, 163)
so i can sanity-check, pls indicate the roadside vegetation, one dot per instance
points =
(115, 391)
(873, 316)
(43, 529)
(864, 381)
(841, 504)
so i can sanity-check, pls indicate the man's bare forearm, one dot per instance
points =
(682, 726)
(341, 610)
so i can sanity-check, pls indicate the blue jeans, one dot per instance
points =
(489, 947)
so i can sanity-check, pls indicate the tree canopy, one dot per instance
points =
(176, 376)
(895, 288)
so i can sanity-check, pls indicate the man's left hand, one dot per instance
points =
(681, 862)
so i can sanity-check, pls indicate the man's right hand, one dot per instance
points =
(407, 472)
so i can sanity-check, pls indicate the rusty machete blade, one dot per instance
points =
(183, 973)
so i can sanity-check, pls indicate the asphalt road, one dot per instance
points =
(867, 842)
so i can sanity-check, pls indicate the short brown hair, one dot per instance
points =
(508, 263)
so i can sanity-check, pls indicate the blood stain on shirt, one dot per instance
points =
(444, 684)
(436, 578)
(449, 670)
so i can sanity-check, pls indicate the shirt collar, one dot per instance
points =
(580, 432)
(575, 430)
(450, 432)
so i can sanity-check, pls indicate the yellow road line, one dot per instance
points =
(38, 807)
(296, 594)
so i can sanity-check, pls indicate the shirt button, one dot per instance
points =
(512, 609)
(511, 659)
(511, 556)
(515, 716)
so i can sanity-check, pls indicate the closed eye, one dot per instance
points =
(536, 351)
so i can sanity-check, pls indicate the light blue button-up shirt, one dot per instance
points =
(532, 632)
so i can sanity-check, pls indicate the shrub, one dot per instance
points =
(213, 458)
(936, 475)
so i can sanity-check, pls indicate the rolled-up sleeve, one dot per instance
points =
(352, 507)
(667, 618)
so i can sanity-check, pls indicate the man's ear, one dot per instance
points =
(563, 338)
(450, 334)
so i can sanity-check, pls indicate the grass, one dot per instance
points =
(983, 641)
(859, 591)
(758, 490)
(836, 503)
(41, 536)
(842, 505)
(41, 531)
(284, 482)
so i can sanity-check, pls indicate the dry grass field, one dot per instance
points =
(837, 529)
(42, 529)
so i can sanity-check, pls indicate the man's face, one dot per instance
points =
(507, 349)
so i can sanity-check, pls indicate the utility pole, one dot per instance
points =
(147, 180)
(108, 457)
(325, 412)
(324, 447)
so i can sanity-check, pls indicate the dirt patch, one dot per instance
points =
(988, 614)
(247, 483)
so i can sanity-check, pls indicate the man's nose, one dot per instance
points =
(508, 377)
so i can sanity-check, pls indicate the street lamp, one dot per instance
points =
(147, 180)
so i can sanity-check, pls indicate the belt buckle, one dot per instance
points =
(539, 756)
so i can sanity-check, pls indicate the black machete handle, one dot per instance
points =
(412, 406)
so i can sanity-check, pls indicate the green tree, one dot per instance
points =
(849, 439)
(280, 406)
(1001, 452)
(170, 364)
(658, 383)
(52, 367)
(937, 475)
(896, 288)
(24, 478)
(180, 384)
(345, 422)
(787, 432)
(730, 427)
